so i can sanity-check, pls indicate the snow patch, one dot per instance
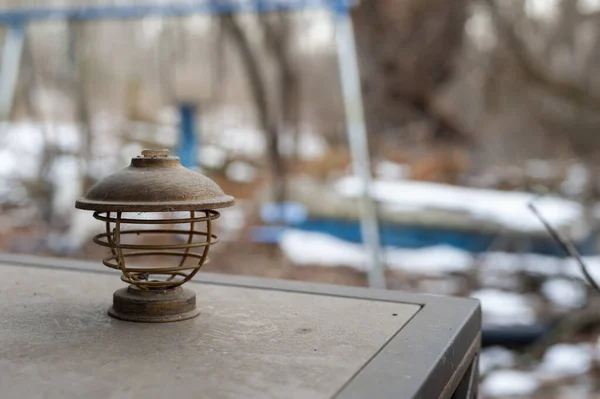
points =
(511, 263)
(565, 360)
(309, 146)
(243, 141)
(504, 308)
(495, 357)
(387, 170)
(566, 294)
(131, 150)
(81, 228)
(439, 259)
(65, 174)
(212, 156)
(305, 248)
(232, 220)
(241, 172)
(509, 209)
(506, 383)
(20, 147)
(318, 249)
(506, 263)
(576, 180)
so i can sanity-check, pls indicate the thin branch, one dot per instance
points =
(566, 245)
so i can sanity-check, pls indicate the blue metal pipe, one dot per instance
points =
(94, 12)
(188, 138)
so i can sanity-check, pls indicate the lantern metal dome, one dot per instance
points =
(155, 183)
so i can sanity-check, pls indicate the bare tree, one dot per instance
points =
(78, 62)
(267, 115)
(543, 66)
(277, 32)
(408, 51)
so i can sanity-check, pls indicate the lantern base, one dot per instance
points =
(153, 306)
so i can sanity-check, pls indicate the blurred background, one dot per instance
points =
(474, 109)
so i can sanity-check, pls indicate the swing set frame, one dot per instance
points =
(16, 20)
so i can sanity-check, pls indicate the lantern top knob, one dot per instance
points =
(155, 182)
(155, 153)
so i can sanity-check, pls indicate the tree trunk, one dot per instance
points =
(407, 51)
(258, 88)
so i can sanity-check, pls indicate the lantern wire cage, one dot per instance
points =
(199, 236)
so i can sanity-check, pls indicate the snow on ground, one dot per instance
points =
(82, 227)
(386, 170)
(164, 135)
(19, 150)
(510, 209)
(504, 308)
(509, 383)
(232, 221)
(576, 180)
(318, 249)
(252, 143)
(506, 263)
(131, 150)
(21, 145)
(212, 156)
(495, 357)
(511, 263)
(309, 145)
(508, 282)
(565, 360)
(559, 362)
(565, 294)
(243, 141)
(241, 172)
(433, 260)
(499, 307)
(306, 248)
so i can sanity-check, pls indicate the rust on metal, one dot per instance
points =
(155, 182)
(155, 306)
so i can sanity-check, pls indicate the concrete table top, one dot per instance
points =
(250, 341)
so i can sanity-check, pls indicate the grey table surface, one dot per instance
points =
(253, 339)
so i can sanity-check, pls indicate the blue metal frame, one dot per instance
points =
(95, 12)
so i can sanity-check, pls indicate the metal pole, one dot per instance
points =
(188, 139)
(9, 68)
(86, 12)
(357, 136)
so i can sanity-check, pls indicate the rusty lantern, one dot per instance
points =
(164, 202)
